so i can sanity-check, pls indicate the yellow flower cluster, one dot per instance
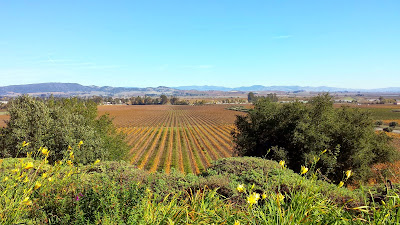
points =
(240, 188)
(347, 175)
(24, 144)
(29, 166)
(45, 151)
(253, 198)
(303, 170)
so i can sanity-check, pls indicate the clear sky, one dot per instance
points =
(350, 44)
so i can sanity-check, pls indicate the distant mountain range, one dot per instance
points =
(68, 89)
(286, 89)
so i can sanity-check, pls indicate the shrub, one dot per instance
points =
(300, 131)
(58, 125)
(393, 124)
(388, 129)
(379, 123)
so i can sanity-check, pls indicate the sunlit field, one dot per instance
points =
(187, 138)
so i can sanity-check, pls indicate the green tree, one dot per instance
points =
(174, 100)
(251, 97)
(298, 132)
(57, 124)
(272, 97)
(164, 99)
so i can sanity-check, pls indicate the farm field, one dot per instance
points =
(384, 112)
(186, 138)
(2, 120)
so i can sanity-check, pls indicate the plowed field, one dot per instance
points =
(187, 138)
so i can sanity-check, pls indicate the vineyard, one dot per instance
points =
(187, 138)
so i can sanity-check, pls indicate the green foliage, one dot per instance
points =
(300, 132)
(58, 124)
(164, 99)
(393, 124)
(388, 129)
(252, 98)
(117, 193)
(379, 123)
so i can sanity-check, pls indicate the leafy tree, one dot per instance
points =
(298, 132)
(58, 124)
(174, 100)
(148, 101)
(251, 97)
(272, 97)
(164, 99)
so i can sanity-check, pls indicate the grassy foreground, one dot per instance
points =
(232, 191)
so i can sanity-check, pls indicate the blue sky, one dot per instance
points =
(352, 44)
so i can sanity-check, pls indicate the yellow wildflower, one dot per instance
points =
(44, 175)
(252, 187)
(348, 174)
(50, 179)
(240, 188)
(69, 162)
(15, 170)
(59, 162)
(26, 180)
(69, 147)
(324, 151)
(97, 161)
(280, 197)
(71, 155)
(263, 196)
(5, 179)
(80, 143)
(282, 163)
(45, 151)
(37, 185)
(237, 222)
(26, 201)
(341, 184)
(28, 166)
(24, 144)
(253, 198)
(303, 170)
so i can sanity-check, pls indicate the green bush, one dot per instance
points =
(388, 129)
(393, 124)
(299, 132)
(379, 123)
(58, 125)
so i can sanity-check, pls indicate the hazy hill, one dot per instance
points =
(69, 89)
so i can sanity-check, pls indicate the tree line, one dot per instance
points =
(252, 98)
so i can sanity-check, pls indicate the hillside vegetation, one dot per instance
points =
(231, 191)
